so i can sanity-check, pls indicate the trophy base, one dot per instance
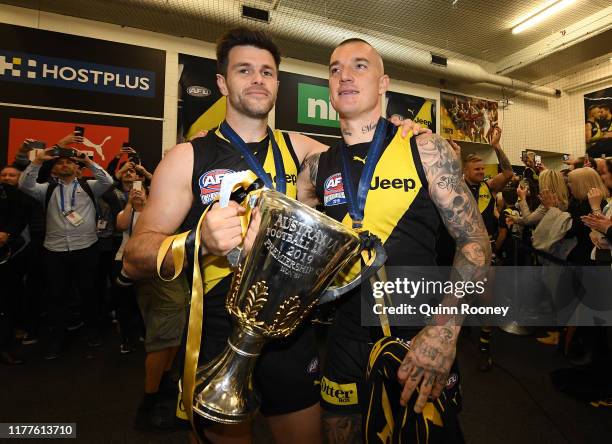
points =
(225, 391)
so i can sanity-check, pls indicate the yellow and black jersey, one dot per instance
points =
(398, 207)
(486, 205)
(213, 158)
(596, 132)
(385, 421)
(290, 362)
(599, 147)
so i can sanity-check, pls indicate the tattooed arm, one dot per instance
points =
(307, 180)
(433, 349)
(341, 429)
(498, 182)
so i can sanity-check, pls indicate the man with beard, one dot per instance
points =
(71, 241)
(395, 194)
(188, 180)
(248, 64)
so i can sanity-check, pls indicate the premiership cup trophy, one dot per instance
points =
(296, 255)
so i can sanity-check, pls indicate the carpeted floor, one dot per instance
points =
(100, 391)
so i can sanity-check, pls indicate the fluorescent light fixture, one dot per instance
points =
(542, 15)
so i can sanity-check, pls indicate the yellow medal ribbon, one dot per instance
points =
(196, 311)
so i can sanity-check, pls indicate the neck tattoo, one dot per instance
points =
(369, 127)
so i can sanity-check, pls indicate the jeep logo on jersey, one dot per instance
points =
(64, 73)
(289, 179)
(314, 107)
(198, 91)
(385, 184)
(210, 184)
(333, 191)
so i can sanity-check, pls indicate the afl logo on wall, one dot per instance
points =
(198, 91)
(210, 184)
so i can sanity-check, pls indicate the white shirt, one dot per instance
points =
(61, 235)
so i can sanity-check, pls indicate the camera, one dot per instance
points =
(65, 152)
(36, 145)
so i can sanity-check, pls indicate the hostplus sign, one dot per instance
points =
(4, 66)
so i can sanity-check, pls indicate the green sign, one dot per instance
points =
(314, 107)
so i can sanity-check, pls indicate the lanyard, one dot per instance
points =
(72, 200)
(356, 202)
(254, 164)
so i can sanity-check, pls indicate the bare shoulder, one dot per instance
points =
(174, 169)
(170, 196)
(178, 155)
(305, 146)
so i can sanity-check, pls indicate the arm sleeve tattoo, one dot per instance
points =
(307, 180)
(456, 206)
(312, 163)
(504, 163)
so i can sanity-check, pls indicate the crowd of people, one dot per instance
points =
(91, 236)
(550, 218)
(62, 237)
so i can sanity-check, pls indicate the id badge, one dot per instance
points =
(102, 224)
(74, 218)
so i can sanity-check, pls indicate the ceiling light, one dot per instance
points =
(542, 15)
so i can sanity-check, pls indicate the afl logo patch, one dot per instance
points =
(210, 184)
(333, 191)
(452, 380)
(198, 91)
(313, 367)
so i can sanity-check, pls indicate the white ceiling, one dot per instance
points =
(474, 30)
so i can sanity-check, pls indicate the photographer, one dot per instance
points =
(71, 252)
(132, 162)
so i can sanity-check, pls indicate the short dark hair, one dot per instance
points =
(510, 196)
(592, 107)
(244, 37)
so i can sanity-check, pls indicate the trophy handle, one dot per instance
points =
(377, 258)
(239, 187)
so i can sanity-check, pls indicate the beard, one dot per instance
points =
(255, 109)
(65, 172)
